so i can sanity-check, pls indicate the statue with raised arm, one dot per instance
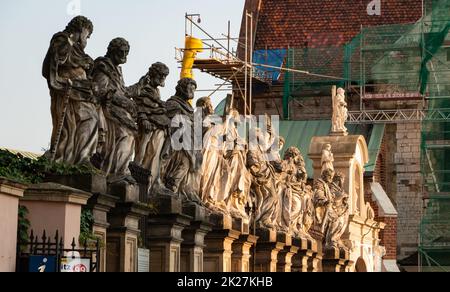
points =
(153, 122)
(340, 112)
(181, 173)
(75, 111)
(119, 110)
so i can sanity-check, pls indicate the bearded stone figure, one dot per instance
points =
(264, 185)
(75, 111)
(338, 215)
(331, 207)
(181, 171)
(119, 110)
(153, 122)
(296, 200)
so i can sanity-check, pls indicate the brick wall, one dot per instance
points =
(409, 187)
(388, 236)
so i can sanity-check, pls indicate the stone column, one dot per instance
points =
(10, 192)
(194, 239)
(336, 260)
(101, 205)
(55, 207)
(285, 255)
(122, 236)
(240, 259)
(267, 250)
(219, 242)
(308, 257)
(165, 234)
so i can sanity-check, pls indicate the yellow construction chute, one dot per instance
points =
(193, 46)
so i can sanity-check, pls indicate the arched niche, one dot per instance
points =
(351, 154)
(360, 266)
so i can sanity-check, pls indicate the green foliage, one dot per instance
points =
(23, 225)
(25, 170)
(87, 236)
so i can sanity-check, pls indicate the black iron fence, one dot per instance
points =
(46, 254)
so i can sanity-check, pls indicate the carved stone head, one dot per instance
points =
(328, 175)
(118, 51)
(157, 75)
(186, 89)
(339, 179)
(292, 153)
(80, 28)
(206, 105)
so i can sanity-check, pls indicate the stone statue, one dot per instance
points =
(119, 110)
(264, 186)
(340, 112)
(153, 122)
(297, 208)
(239, 178)
(331, 207)
(327, 158)
(214, 166)
(338, 212)
(181, 173)
(75, 111)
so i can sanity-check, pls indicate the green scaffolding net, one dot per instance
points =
(434, 246)
(408, 62)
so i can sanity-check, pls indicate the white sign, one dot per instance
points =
(143, 260)
(75, 265)
(374, 8)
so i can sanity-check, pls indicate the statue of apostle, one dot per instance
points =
(152, 121)
(75, 111)
(119, 110)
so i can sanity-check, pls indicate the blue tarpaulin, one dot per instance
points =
(272, 58)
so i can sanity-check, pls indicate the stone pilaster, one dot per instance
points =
(192, 255)
(219, 242)
(122, 236)
(242, 257)
(267, 249)
(164, 231)
(285, 255)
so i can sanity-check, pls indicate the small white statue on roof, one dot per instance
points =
(340, 112)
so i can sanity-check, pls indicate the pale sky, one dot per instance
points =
(153, 27)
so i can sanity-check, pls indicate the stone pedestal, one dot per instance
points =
(91, 183)
(194, 239)
(164, 232)
(241, 257)
(10, 192)
(267, 250)
(55, 207)
(308, 257)
(101, 205)
(219, 242)
(336, 260)
(285, 255)
(122, 236)
(125, 191)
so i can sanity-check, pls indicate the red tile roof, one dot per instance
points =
(315, 23)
